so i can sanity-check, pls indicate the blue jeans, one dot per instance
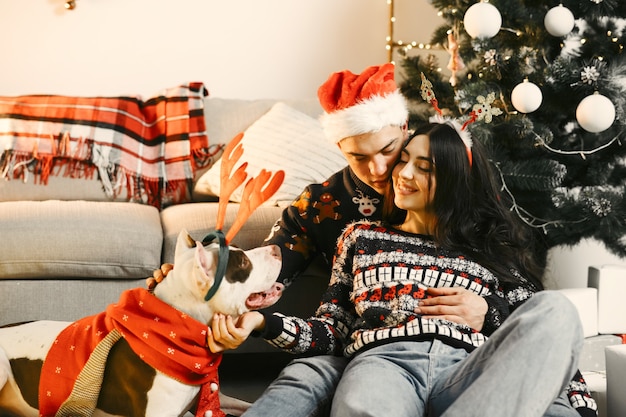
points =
(522, 370)
(304, 388)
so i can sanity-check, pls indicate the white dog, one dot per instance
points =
(35, 357)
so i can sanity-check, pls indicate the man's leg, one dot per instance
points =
(304, 388)
(523, 367)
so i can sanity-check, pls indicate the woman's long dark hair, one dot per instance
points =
(470, 210)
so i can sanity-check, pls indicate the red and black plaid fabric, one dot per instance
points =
(149, 148)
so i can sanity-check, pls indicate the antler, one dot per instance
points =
(229, 184)
(257, 191)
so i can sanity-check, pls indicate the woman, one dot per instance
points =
(415, 300)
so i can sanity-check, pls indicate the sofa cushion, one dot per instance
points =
(57, 188)
(287, 139)
(199, 219)
(72, 239)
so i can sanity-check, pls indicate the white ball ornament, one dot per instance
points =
(482, 20)
(595, 113)
(526, 97)
(559, 21)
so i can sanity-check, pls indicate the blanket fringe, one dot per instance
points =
(116, 181)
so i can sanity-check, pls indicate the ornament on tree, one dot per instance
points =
(595, 113)
(526, 97)
(483, 109)
(456, 63)
(589, 75)
(482, 20)
(491, 57)
(559, 21)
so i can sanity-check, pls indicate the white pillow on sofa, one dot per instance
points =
(283, 138)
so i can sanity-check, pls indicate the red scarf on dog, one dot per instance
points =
(165, 338)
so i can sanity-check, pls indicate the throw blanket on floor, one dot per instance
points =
(149, 148)
(165, 338)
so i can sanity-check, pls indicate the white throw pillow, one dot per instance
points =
(283, 138)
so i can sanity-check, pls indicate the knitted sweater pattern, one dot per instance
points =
(313, 222)
(378, 278)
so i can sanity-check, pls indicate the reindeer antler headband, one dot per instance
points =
(481, 111)
(256, 191)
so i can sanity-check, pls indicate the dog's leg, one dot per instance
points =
(169, 398)
(232, 405)
(11, 399)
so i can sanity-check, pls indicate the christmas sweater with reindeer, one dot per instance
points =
(311, 225)
(378, 278)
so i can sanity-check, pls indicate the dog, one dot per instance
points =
(130, 384)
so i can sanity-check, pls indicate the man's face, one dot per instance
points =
(372, 155)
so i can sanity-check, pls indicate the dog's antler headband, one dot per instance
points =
(481, 110)
(256, 191)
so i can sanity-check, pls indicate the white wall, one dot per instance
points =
(238, 48)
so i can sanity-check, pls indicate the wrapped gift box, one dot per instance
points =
(610, 281)
(615, 377)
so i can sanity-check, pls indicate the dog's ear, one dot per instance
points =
(205, 270)
(184, 242)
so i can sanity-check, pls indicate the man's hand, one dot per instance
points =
(225, 334)
(455, 304)
(158, 275)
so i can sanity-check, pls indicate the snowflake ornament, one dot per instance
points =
(483, 109)
(490, 57)
(589, 75)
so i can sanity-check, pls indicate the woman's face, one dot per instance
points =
(414, 177)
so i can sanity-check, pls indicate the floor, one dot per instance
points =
(245, 376)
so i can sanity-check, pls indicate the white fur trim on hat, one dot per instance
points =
(367, 116)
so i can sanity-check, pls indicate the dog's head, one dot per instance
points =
(248, 284)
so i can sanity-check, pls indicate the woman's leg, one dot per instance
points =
(523, 367)
(388, 380)
(304, 388)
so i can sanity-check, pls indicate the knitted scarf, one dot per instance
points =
(165, 338)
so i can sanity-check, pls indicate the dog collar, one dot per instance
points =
(222, 260)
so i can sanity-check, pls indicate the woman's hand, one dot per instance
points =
(158, 275)
(455, 304)
(225, 334)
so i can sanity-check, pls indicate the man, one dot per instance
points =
(366, 116)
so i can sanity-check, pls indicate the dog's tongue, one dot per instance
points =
(266, 298)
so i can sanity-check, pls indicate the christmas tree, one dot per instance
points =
(557, 73)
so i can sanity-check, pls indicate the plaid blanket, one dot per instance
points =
(149, 148)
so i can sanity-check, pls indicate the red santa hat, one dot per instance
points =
(355, 104)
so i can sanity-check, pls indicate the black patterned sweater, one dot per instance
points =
(378, 277)
(314, 221)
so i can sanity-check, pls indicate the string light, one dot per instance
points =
(525, 215)
(583, 154)
(402, 47)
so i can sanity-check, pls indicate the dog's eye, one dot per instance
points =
(239, 266)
